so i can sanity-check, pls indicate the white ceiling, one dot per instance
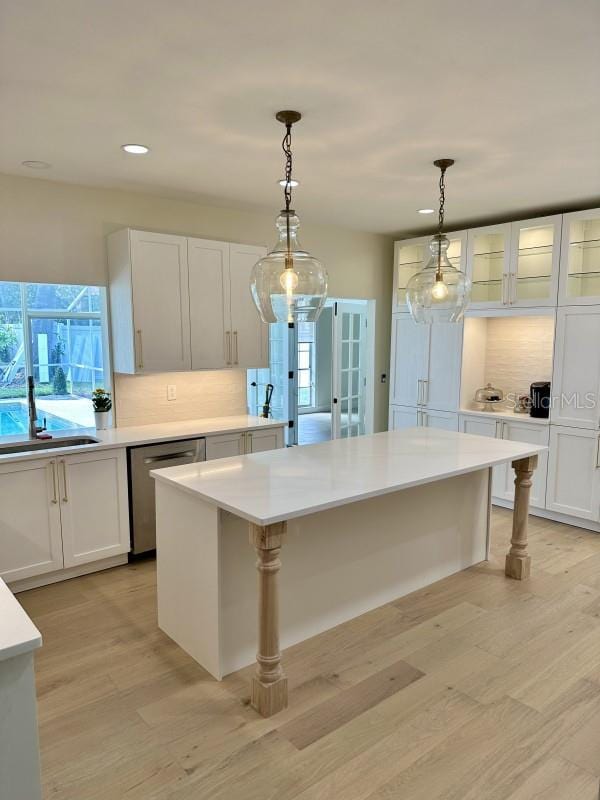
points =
(509, 89)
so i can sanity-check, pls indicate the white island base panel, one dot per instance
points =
(336, 564)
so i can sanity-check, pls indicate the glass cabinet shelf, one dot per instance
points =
(581, 251)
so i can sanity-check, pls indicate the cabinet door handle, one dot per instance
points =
(419, 392)
(424, 419)
(598, 453)
(235, 342)
(425, 391)
(512, 285)
(65, 498)
(140, 349)
(249, 448)
(228, 347)
(54, 479)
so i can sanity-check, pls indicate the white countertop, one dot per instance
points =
(282, 484)
(505, 413)
(18, 634)
(142, 434)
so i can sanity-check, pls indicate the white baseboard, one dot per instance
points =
(588, 524)
(64, 574)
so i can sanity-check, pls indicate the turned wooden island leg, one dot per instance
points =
(269, 692)
(518, 561)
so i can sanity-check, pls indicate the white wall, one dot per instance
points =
(56, 232)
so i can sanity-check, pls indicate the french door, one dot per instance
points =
(349, 369)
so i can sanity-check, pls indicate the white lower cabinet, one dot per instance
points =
(94, 506)
(408, 417)
(61, 512)
(402, 417)
(239, 444)
(30, 533)
(574, 472)
(444, 420)
(503, 476)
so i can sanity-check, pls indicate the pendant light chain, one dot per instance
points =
(442, 200)
(287, 189)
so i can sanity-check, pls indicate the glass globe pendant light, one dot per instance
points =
(439, 292)
(288, 284)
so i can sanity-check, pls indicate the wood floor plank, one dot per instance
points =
(557, 779)
(337, 711)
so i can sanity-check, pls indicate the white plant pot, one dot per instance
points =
(101, 420)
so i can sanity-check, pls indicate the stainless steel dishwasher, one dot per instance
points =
(141, 460)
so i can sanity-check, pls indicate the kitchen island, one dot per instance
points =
(364, 521)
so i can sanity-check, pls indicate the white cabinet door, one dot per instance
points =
(442, 420)
(249, 336)
(480, 426)
(410, 342)
(261, 440)
(573, 473)
(225, 445)
(402, 417)
(580, 258)
(488, 265)
(576, 379)
(534, 262)
(210, 312)
(30, 538)
(161, 310)
(94, 506)
(504, 475)
(410, 256)
(442, 385)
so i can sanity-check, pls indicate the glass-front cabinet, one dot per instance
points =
(488, 265)
(515, 264)
(534, 262)
(411, 255)
(580, 258)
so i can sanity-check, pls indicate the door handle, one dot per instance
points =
(228, 347)
(140, 349)
(64, 471)
(54, 479)
(235, 342)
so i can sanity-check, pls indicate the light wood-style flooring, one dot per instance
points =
(476, 688)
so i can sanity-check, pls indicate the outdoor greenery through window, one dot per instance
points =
(54, 332)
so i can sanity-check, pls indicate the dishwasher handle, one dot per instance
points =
(169, 456)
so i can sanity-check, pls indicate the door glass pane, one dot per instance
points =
(345, 355)
(345, 383)
(13, 383)
(410, 260)
(488, 267)
(584, 258)
(534, 262)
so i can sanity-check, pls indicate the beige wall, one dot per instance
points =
(56, 232)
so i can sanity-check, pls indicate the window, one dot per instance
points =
(306, 364)
(56, 333)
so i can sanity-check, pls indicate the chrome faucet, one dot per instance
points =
(34, 428)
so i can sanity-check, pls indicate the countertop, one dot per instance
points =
(18, 634)
(141, 434)
(506, 413)
(282, 484)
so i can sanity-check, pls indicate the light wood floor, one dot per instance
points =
(313, 428)
(477, 688)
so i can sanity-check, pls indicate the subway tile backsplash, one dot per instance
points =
(142, 399)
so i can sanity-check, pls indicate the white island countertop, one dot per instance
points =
(133, 436)
(18, 634)
(279, 485)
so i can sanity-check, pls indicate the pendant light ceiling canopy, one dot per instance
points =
(288, 284)
(439, 292)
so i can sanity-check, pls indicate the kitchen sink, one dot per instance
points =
(46, 444)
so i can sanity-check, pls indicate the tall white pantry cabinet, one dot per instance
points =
(179, 303)
(547, 264)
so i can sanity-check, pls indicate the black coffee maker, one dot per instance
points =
(540, 399)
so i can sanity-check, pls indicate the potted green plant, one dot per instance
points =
(102, 402)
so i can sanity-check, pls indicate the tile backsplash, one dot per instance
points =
(518, 352)
(142, 399)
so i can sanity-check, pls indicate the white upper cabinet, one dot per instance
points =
(488, 265)
(425, 364)
(182, 303)
(411, 255)
(576, 376)
(149, 296)
(534, 262)
(580, 258)
(249, 336)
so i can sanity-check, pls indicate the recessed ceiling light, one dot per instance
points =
(136, 149)
(425, 210)
(293, 182)
(36, 164)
